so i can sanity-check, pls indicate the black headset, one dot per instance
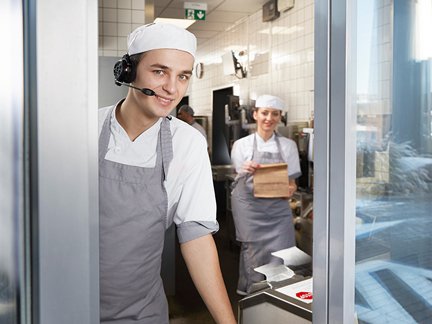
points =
(125, 70)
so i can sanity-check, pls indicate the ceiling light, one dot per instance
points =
(184, 23)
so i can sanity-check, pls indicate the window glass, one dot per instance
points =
(394, 162)
(12, 258)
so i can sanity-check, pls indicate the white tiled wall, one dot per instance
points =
(117, 18)
(279, 55)
(279, 60)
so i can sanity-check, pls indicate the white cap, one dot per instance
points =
(268, 101)
(161, 35)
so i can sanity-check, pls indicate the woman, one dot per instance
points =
(263, 225)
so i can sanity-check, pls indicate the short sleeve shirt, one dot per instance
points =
(189, 182)
(243, 150)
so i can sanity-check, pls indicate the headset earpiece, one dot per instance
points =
(124, 70)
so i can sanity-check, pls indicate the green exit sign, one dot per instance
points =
(195, 14)
(195, 10)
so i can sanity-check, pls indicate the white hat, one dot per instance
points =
(157, 36)
(268, 101)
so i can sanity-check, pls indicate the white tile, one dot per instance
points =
(124, 16)
(109, 29)
(309, 26)
(308, 12)
(386, 70)
(109, 43)
(138, 16)
(109, 15)
(299, 5)
(309, 84)
(301, 15)
(294, 18)
(387, 52)
(386, 35)
(110, 53)
(138, 4)
(379, 16)
(303, 96)
(124, 4)
(301, 43)
(122, 44)
(124, 29)
(109, 3)
(134, 26)
(310, 69)
(308, 41)
(386, 89)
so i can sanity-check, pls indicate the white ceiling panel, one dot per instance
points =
(171, 13)
(203, 34)
(220, 15)
(225, 16)
(244, 6)
(210, 26)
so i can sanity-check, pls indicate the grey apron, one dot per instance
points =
(263, 225)
(133, 217)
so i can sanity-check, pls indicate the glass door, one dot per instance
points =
(393, 272)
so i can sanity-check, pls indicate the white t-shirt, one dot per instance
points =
(189, 183)
(199, 128)
(242, 151)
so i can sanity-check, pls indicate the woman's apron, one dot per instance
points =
(263, 225)
(133, 217)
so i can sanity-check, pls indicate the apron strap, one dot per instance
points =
(166, 142)
(277, 135)
(255, 146)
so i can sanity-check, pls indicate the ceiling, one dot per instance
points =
(220, 14)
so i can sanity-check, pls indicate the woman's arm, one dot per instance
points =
(240, 160)
(292, 187)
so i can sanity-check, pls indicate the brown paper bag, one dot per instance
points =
(271, 181)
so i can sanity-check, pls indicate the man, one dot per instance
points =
(154, 170)
(186, 113)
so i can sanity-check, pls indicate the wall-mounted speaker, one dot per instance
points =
(270, 11)
(285, 5)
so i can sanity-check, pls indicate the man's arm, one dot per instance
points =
(202, 262)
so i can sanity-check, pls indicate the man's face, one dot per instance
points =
(167, 72)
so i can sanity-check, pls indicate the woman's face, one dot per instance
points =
(267, 118)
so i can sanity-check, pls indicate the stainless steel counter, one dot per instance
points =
(272, 306)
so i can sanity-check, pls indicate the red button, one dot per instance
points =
(304, 295)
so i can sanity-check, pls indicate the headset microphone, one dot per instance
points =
(125, 73)
(146, 91)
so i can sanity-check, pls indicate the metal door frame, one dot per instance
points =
(334, 165)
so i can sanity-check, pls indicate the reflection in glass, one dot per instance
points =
(12, 298)
(394, 162)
